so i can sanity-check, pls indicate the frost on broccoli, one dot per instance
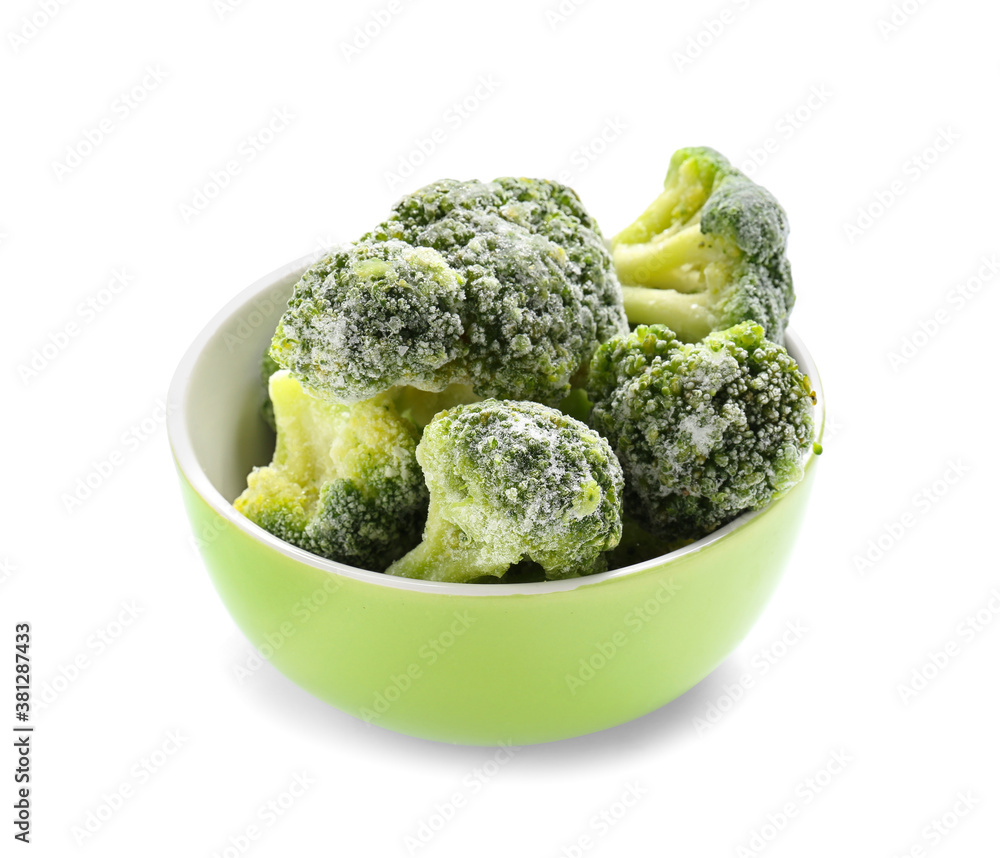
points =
(514, 481)
(373, 316)
(526, 323)
(538, 206)
(344, 482)
(704, 432)
(541, 292)
(708, 253)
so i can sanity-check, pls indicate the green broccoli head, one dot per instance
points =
(555, 211)
(530, 202)
(541, 292)
(704, 431)
(371, 316)
(708, 253)
(512, 481)
(344, 482)
(541, 207)
(525, 321)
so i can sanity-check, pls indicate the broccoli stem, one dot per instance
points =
(428, 563)
(448, 554)
(688, 316)
(654, 220)
(420, 406)
(668, 261)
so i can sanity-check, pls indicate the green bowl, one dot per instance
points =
(469, 663)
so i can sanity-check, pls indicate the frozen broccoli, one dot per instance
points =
(512, 481)
(541, 207)
(703, 431)
(505, 288)
(372, 316)
(344, 482)
(473, 308)
(708, 253)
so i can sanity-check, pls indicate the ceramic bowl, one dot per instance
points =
(465, 663)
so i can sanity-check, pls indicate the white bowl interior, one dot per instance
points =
(224, 394)
(218, 434)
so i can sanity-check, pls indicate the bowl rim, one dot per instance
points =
(187, 462)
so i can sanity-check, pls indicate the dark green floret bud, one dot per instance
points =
(704, 431)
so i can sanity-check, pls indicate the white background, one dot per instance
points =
(899, 428)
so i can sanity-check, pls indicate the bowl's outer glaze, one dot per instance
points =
(488, 669)
(474, 664)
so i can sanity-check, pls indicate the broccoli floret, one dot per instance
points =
(703, 431)
(539, 206)
(539, 199)
(555, 211)
(708, 253)
(268, 367)
(525, 320)
(505, 288)
(344, 482)
(372, 316)
(512, 481)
